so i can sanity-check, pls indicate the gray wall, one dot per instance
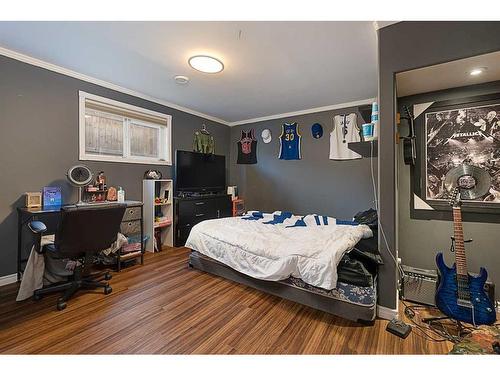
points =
(39, 141)
(405, 46)
(314, 184)
(419, 240)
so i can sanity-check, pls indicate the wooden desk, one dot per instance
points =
(132, 224)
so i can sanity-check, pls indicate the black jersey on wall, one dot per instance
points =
(247, 148)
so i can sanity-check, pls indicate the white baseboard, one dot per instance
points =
(8, 279)
(387, 313)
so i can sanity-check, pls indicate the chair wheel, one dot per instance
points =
(108, 290)
(61, 305)
(37, 297)
(107, 277)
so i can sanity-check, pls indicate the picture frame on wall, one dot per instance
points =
(450, 133)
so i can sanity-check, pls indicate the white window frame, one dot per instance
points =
(165, 132)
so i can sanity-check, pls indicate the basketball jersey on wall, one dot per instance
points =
(345, 130)
(290, 142)
(247, 148)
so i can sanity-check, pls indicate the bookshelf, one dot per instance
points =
(157, 196)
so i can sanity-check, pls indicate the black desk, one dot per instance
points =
(132, 223)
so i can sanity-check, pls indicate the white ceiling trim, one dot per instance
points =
(305, 111)
(71, 73)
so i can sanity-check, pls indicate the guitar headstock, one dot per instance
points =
(409, 115)
(454, 198)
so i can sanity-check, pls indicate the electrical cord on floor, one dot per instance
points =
(443, 334)
(410, 314)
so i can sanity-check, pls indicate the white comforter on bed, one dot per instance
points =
(274, 252)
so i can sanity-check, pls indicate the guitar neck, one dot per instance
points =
(458, 232)
(411, 133)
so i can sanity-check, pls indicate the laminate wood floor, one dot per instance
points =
(165, 307)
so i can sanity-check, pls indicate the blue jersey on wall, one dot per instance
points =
(290, 142)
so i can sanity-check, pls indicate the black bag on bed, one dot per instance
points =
(366, 250)
(353, 271)
(368, 217)
(360, 265)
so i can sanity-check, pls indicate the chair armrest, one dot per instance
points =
(37, 227)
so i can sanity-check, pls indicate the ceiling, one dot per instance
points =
(270, 67)
(448, 75)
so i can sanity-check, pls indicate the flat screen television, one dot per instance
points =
(196, 172)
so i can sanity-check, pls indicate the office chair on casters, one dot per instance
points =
(82, 233)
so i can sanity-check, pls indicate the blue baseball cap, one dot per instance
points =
(317, 130)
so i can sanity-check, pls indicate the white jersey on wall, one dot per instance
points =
(345, 130)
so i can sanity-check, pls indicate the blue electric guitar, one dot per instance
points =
(459, 295)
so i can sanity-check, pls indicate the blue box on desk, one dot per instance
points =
(52, 196)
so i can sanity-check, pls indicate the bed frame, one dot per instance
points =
(348, 310)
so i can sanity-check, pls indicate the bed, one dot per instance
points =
(314, 260)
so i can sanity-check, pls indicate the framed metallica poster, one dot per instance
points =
(450, 134)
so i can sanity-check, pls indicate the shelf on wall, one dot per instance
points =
(364, 148)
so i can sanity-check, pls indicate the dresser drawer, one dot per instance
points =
(130, 227)
(132, 213)
(196, 211)
(202, 207)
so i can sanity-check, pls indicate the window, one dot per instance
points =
(119, 132)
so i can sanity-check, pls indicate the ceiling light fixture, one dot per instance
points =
(181, 80)
(477, 71)
(206, 64)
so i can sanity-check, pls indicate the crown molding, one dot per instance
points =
(71, 73)
(305, 111)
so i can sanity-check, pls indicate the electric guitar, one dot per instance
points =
(409, 149)
(459, 295)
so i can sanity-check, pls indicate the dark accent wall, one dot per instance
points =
(419, 250)
(314, 184)
(39, 141)
(405, 46)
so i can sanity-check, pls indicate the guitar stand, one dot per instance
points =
(461, 330)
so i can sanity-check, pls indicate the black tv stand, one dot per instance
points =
(189, 210)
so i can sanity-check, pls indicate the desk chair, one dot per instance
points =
(82, 233)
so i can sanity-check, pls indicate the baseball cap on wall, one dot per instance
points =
(317, 130)
(266, 135)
